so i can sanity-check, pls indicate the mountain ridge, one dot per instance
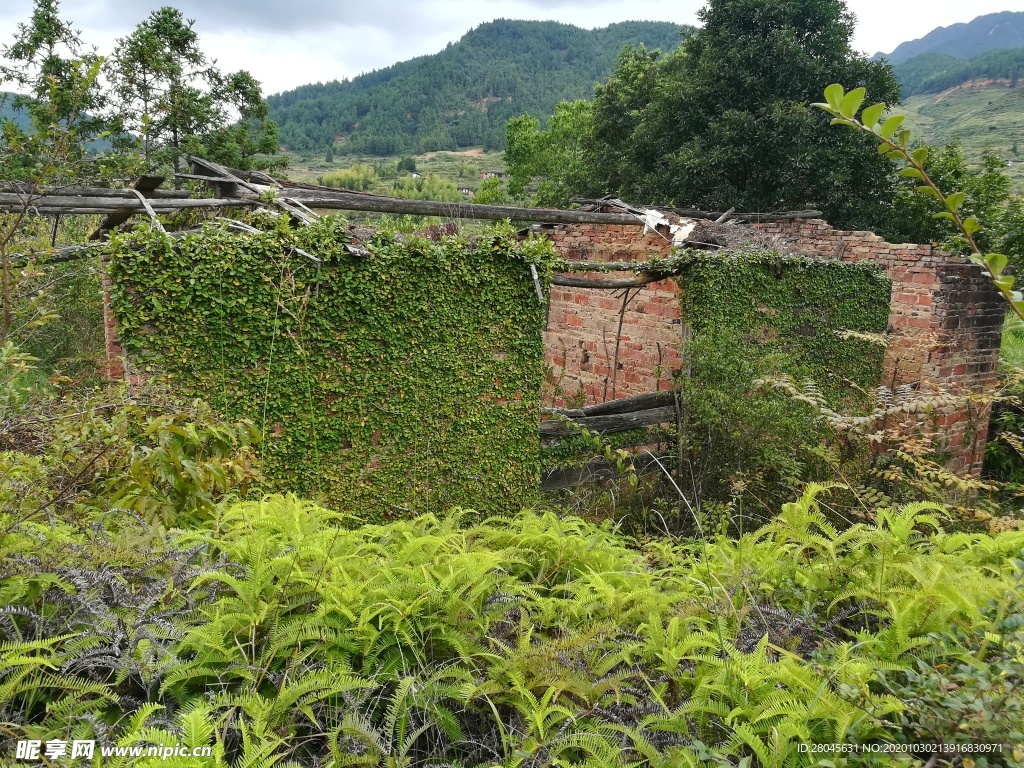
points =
(965, 40)
(463, 95)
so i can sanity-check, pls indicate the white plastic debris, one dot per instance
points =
(679, 231)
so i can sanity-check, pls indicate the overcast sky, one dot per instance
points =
(290, 43)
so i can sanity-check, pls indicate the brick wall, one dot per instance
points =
(583, 324)
(945, 320)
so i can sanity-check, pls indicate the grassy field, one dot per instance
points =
(464, 168)
(984, 117)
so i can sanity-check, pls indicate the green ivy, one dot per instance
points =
(397, 383)
(795, 306)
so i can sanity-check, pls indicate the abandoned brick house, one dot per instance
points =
(945, 318)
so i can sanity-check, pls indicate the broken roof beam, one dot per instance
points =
(233, 181)
(46, 204)
(692, 213)
(353, 201)
(144, 186)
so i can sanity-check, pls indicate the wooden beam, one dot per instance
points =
(352, 201)
(693, 213)
(607, 425)
(622, 405)
(572, 281)
(145, 185)
(31, 192)
(67, 205)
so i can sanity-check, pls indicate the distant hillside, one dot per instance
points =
(464, 95)
(937, 72)
(985, 117)
(964, 41)
(7, 112)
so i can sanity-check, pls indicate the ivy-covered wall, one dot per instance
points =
(402, 382)
(794, 305)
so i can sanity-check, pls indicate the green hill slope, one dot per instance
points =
(984, 116)
(937, 72)
(462, 96)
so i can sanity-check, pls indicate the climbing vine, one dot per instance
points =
(797, 307)
(402, 379)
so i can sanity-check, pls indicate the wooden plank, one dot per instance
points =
(693, 213)
(572, 281)
(25, 190)
(12, 203)
(622, 405)
(607, 425)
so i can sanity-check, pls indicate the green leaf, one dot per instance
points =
(889, 127)
(943, 215)
(834, 95)
(1004, 283)
(895, 155)
(903, 137)
(851, 102)
(928, 192)
(971, 225)
(871, 115)
(955, 200)
(912, 173)
(920, 155)
(996, 263)
(884, 148)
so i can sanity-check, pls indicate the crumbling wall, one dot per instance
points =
(945, 322)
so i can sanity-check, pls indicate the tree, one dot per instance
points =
(407, 164)
(177, 101)
(724, 121)
(987, 191)
(561, 157)
(491, 192)
(61, 94)
(45, 62)
(329, 155)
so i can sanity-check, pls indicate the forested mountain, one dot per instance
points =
(991, 32)
(937, 72)
(464, 95)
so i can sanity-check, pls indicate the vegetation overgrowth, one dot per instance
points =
(272, 632)
(401, 379)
